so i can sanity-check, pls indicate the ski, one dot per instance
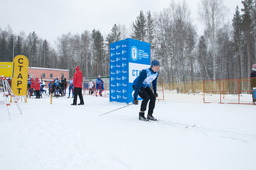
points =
(174, 123)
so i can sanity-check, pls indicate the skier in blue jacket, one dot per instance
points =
(141, 86)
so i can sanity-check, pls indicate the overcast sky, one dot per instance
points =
(52, 18)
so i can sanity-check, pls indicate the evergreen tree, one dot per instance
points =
(3, 46)
(98, 54)
(112, 37)
(18, 46)
(139, 27)
(227, 66)
(115, 35)
(247, 27)
(237, 38)
(32, 49)
(10, 47)
(45, 55)
(149, 28)
(202, 53)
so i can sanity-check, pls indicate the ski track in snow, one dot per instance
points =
(241, 136)
(229, 134)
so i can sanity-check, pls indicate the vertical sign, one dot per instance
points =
(20, 75)
(127, 58)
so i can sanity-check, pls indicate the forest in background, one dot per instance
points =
(225, 50)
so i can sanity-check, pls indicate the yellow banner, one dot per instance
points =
(20, 75)
(6, 69)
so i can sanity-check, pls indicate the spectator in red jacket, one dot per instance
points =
(78, 81)
(37, 88)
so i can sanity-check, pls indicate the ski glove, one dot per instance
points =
(155, 93)
(135, 102)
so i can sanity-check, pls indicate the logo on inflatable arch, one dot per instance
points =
(134, 53)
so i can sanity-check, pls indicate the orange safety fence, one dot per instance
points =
(229, 91)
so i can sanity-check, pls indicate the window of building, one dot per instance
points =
(51, 75)
(62, 76)
(43, 75)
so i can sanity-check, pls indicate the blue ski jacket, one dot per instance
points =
(99, 84)
(144, 80)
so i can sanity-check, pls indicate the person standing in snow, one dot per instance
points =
(50, 87)
(30, 87)
(253, 81)
(141, 86)
(253, 76)
(70, 88)
(91, 87)
(63, 86)
(77, 82)
(37, 88)
(99, 85)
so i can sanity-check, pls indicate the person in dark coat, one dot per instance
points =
(253, 76)
(63, 86)
(253, 82)
(141, 86)
(77, 82)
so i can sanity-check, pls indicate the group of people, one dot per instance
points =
(35, 87)
(98, 87)
(58, 87)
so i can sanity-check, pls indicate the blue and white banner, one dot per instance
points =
(127, 58)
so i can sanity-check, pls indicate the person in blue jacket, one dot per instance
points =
(141, 86)
(99, 85)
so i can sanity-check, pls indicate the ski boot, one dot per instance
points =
(150, 117)
(142, 117)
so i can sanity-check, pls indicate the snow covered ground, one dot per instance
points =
(65, 137)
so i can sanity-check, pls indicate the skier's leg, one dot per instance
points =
(143, 94)
(152, 101)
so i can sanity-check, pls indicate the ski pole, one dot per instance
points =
(128, 104)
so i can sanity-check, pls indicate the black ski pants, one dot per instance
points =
(146, 94)
(78, 91)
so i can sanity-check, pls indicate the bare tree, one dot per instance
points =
(212, 15)
(175, 42)
(86, 53)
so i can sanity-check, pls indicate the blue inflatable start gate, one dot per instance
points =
(127, 58)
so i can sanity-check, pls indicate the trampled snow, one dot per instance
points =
(59, 136)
